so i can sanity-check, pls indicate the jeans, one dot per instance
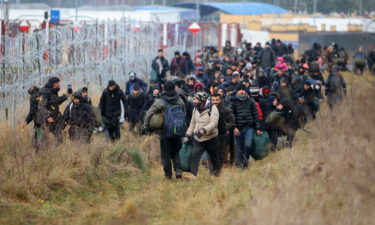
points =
(170, 148)
(243, 146)
(211, 146)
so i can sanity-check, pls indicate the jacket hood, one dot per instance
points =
(170, 96)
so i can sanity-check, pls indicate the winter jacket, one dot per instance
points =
(281, 50)
(208, 120)
(267, 58)
(160, 65)
(110, 103)
(131, 83)
(189, 66)
(291, 115)
(203, 79)
(318, 77)
(80, 115)
(178, 67)
(228, 115)
(335, 88)
(287, 93)
(50, 103)
(134, 107)
(160, 105)
(263, 81)
(245, 113)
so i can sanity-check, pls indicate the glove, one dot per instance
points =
(122, 120)
(187, 140)
(199, 133)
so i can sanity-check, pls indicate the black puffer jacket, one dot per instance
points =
(245, 113)
(80, 115)
(110, 102)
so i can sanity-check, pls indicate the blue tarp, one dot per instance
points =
(235, 8)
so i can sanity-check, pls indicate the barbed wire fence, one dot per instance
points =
(88, 54)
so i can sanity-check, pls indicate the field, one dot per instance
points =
(326, 178)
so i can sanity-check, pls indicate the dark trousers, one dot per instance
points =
(56, 128)
(222, 145)
(112, 128)
(229, 148)
(211, 146)
(170, 148)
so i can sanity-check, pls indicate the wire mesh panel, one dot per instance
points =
(80, 54)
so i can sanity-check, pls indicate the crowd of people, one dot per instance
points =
(216, 102)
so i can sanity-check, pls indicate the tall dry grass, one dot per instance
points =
(331, 172)
(68, 168)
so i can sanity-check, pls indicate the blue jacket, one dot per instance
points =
(131, 83)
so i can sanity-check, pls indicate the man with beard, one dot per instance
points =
(49, 114)
(224, 114)
(160, 65)
(203, 129)
(81, 119)
(112, 106)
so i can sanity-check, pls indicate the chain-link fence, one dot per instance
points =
(82, 55)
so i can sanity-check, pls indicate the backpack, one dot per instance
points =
(174, 121)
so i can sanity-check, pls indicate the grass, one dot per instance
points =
(326, 178)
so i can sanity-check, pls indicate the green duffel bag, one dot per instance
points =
(153, 76)
(156, 121)
(260, 146)
(185, 157)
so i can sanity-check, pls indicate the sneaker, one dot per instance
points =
(190, 176)
(169, 177)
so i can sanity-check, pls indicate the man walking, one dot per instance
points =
(169, 104)
(112, 107)
(246, 123)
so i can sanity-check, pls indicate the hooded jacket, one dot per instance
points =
(110, 103)
(80, 115)
(131, 83)
(84, 99)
